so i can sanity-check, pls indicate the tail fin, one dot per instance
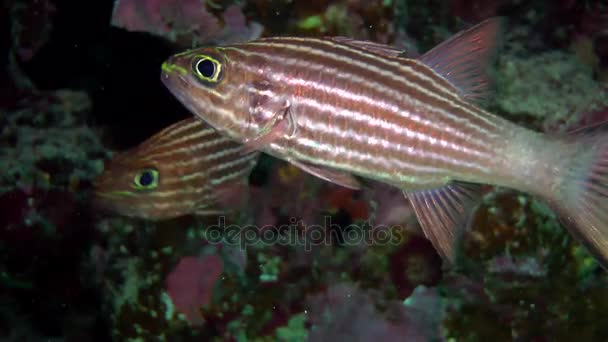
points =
(582, 196)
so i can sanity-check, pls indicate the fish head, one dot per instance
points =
(133, 184)
(214, 84)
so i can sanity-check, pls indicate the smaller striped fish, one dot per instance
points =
(184, 169)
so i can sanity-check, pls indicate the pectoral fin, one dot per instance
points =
(269, 112)
(283, 125)
(445, 214)
(223, 199)
(338, 177)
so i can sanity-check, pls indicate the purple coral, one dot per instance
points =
(185, 22)
(345, 313)
(190, 285)
(162, 17)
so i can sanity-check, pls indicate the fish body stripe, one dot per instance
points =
(345, 56)
(389, 118)
(205, 158)
(192, 160)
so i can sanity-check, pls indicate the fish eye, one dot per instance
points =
(146, 179)
(207, 69)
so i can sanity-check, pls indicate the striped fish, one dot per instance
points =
(184, 169)
(340, 108)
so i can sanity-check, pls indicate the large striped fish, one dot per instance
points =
(340, 108)
(184, 169)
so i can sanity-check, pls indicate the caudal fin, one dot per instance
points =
(582, 196)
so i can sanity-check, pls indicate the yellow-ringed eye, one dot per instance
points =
(207, 69)
(146, 179)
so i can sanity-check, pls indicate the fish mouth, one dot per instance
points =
(111, 203)
(176, 83)
(104, 198)
(173, 74)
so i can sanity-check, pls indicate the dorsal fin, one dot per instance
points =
(463, 58)
(379, 48)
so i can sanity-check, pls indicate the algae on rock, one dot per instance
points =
(553, 86)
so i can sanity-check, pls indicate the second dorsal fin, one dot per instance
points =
(463, 59)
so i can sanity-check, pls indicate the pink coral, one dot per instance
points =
(139, 16)
(162, 17)
(190, 285)
(346, 313)
(185, 22)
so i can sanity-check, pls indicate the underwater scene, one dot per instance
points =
(304, 170)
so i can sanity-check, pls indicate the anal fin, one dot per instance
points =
(445, 213)
(338, 177)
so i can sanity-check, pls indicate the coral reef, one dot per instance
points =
(546, 89)
(347, 313)
(49, 158)
(137, 264)
(529, 279)
(44, 140)
(308, 260)
(187, 23)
